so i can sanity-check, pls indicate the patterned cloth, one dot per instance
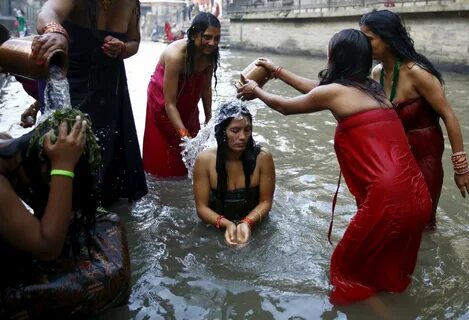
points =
(69, 286)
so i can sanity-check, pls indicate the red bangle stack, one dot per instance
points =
(54, 27)
(183, 132)
(459, 161)
(218, 222)
(249, 221)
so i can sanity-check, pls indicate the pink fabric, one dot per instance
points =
(161, 150)
(379, 248)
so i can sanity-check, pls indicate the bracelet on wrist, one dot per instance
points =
(218, 222)
(54, 27)
(276, 72)
(60, 172)
(183, 132)
(249, 221)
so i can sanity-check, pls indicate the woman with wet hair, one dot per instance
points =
(182, 77)
(416, 89)
(234, 182)
(379, 248)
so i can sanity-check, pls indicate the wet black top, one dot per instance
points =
(237, 204)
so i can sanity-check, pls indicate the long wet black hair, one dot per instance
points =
(233, 109)
(200, 23)
(349, 64)
(391, 29)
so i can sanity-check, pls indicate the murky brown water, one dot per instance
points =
(183, 270)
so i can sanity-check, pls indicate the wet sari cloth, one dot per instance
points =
(161, 150)
(98, 86)
(237, 204)
(379, 248)
(422, 127)
(72, 285)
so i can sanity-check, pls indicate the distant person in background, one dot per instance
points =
(216, 9)
(21, 23)
(182, 77)
(416, 89)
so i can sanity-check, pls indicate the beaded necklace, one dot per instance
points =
(395, 78)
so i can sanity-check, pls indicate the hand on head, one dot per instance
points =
(66, 151)
(113, 47)
(44, 45)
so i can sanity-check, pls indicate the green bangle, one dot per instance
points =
(59, 172)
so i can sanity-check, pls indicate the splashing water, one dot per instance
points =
(57, 91)
(190, 148)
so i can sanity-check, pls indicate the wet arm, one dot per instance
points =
(173, 67)
(430, 88)
(207, 98)
(201, 188)
(42, 238)
(54, 11)
(133, 36)
(301, 84)
(313, 101)
(266, 187)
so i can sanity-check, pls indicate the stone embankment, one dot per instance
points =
(439, 28)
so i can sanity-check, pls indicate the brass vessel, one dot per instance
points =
(16, 58)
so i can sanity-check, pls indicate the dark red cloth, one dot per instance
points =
(161, 150)
(422, 127)
(379, 248)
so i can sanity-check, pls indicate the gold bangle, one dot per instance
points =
(257, 214)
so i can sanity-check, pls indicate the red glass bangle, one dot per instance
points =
(183, 132)
(249, 221)
(218, 221)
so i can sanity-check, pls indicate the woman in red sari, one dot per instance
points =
(416, 89)
(182, 77)
(379, 248)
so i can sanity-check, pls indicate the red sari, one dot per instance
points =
(379, 248)
(422, 127)
(161, 150)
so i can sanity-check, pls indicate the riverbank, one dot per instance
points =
(439, 30)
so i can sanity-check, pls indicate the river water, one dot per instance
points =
(182, 268)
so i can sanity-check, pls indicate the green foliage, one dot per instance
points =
(92, 150)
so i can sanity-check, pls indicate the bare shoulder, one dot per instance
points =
(174, 54)
(264, 156)
(417, 74)
(207, 155)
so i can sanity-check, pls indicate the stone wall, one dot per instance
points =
(441, 36)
